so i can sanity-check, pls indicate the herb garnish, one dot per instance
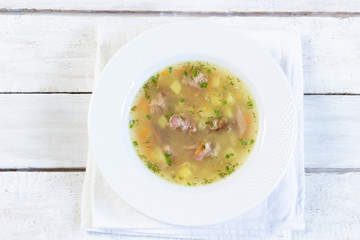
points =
(153, 167)
(170, 69)
(168, 160)
(244, 143)
(224, 87)
(195, 73)
(209, 71)
(133, 108)
(181, 100)
(131, 123)
(168, 116)
(252, 141)
(203, 85)
(148, 117)
(224, 102)
(135, 143)
(217, 113)
(229, 155)
(185, 73)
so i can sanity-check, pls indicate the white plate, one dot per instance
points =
(165, 201)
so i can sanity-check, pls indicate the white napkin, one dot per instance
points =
(274, 218)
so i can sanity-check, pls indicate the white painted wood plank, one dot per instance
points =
(47, 205)
(332, 131)
(190, 5)
(332, 207)
(43, 130)
(61, 55)
(50, 131)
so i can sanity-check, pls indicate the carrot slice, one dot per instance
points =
(166, 71)
(143, 133)
(200, 148)
(247, 119)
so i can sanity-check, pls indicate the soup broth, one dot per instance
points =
(193, 123)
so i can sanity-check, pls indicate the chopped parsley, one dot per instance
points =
(185, 73)
(170, 69)
(135, 143)
(209, 70)
(132, 123)
(146, 90)
(207, 122)
(252, 141)
(153, 79)
(224, 102)
(153, 167)
(228, 170)
(244, 143)
(181, 100)
(168, 116)
(224, 87)
(217, 113)
(203, 85)
(168, 160)
(133, 108)
(195, 73)
(189, 184)
(148, 117)
(250, 103)
(229, 155)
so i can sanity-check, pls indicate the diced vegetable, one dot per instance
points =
(158, 155)
(176, 87)
(229, 98)
(162, 121)
(216, 100)
(185, 172)
(206, 113)
(227, 112)
(215, 82)
(165, 72)
(201, 126)
(143, 134)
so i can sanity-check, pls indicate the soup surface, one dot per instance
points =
(193, 123)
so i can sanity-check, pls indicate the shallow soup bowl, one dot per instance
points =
(171, 203)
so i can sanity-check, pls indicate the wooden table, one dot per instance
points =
(47, 57)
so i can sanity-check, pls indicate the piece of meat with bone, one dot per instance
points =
(196, 81)
(158, 102)
(217, 123)
(241, 123)
(184, 124)
(202, 151)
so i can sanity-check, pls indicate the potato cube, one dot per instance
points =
(215, 82)
(216, 100)
(162, 121)
(176, 87)
(227, 112)
(185, 172)
(229, 98)
(158, 156)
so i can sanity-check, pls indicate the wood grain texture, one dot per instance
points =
(332, 131)
(60, 57)
(47, 205)
(189, 5)
(50, 131)
(43, 130)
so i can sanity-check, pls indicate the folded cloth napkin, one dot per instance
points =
(274, 218)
